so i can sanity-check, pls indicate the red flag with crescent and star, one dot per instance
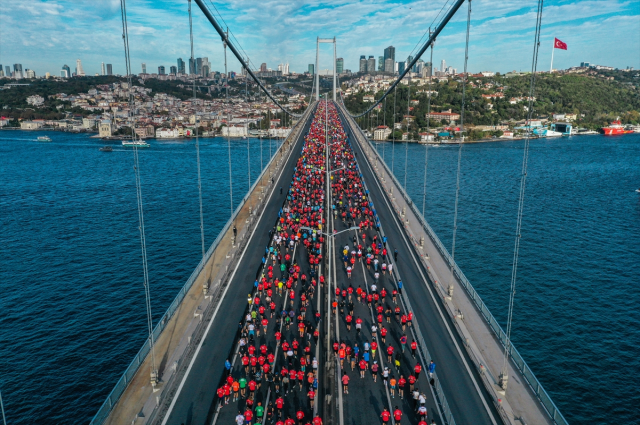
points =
(559, 44)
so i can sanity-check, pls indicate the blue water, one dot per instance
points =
(72, 309)
(72, 302)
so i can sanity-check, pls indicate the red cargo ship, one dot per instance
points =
(615, 128)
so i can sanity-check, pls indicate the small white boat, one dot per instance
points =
(44, 139)
(134, 144)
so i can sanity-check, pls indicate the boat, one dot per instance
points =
(106, 149)
(543, 132)
(135, 144)
(615, 128)
(44, 139)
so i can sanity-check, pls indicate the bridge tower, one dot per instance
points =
(317, 76)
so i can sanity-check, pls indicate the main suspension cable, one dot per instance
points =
(195, 112)
(523, 181)
(136, 167)
(455, 211)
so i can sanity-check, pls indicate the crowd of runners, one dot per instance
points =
(272, 375)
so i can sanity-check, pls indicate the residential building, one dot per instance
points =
(235, 130)
(426, 137)
(173, 70)
(311, 69)
(363, 63)
(389, 65)
(381, 132)
(161, 70)
(445, 115)
(181, 66)
(339, 65)
(105, 129)
(79, 70)
(103, 70)
(109, 69)
(144, 68)
(371, 64)
(389, 53)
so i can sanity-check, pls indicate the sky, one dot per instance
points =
(43, 35)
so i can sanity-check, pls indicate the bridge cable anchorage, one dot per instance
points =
(196, 122)
(523, 180)
(445, 20)
(136, 167)
(455, 210)
(426, 145)
(224, 34)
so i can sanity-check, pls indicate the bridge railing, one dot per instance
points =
(516, 358)
(132, 369)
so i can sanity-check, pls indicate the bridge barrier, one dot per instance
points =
(132, 369)
(517, 359)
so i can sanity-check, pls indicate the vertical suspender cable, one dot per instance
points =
(136, 167)
(523, 181)
(384, 119)
(393, 143)
(426, 145)
(455, 211)
(247, 128)
(406, 145)
(226, 85)
(195, 112)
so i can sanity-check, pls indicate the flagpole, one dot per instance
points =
(553, 49)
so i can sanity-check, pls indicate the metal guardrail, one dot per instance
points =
(132, 369)
(527, 373)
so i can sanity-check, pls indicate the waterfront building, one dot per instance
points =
(105, 129)
(109, 69)
(79, 70)
(181, 66)
(31, 125)
(381, 132)
(389, 53)
(371, 64)
(363, 63)
(339, 65)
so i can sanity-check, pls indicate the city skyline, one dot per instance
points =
(596, 32)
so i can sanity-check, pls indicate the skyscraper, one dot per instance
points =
(192, 66)
(201, 69)
(198, 69)
(389, 65)
(401, 66)
(160, 70)
(7, 71)
(311, 69)
(79, 69)
(104, 71)
(380, 63)
(17, 70)
(339, 65)
(144, 68)
(363, 63)
(173, 70)
(109, 69)
(371, 64)
(263, 67)
(65, 72)
(1, 71)
(443, 66)
(181, 66)
(389, 53)
(428, 69)
(409, 60)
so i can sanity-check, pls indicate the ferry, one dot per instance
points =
(543, 132)
(615, 128)
(106, 149)
(135, 144)
(44, 139)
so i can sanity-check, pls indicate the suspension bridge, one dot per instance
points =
(327, 297)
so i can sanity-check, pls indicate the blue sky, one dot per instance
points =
(45, 34)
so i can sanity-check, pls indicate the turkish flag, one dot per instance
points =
(559, 44)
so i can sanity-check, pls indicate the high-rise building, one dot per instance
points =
(263, 67)
(192, 66)
(1, 71)
(371, 64)
(160, 70)
(363, 63)
(144, 68)
(29, 73)
(79, 70)
(380, 63)
(204, 72)
(311, 69)
(104, 71)
(443, 66)
(173, 70)
(409, 60)
(7, 71)
(65, 72)
(17, 70)
(109, 69)
(401, 67)
(389, 65)
(181, 66)
(428, 69)
(201, 68)
(389, 53)
(339, 66)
